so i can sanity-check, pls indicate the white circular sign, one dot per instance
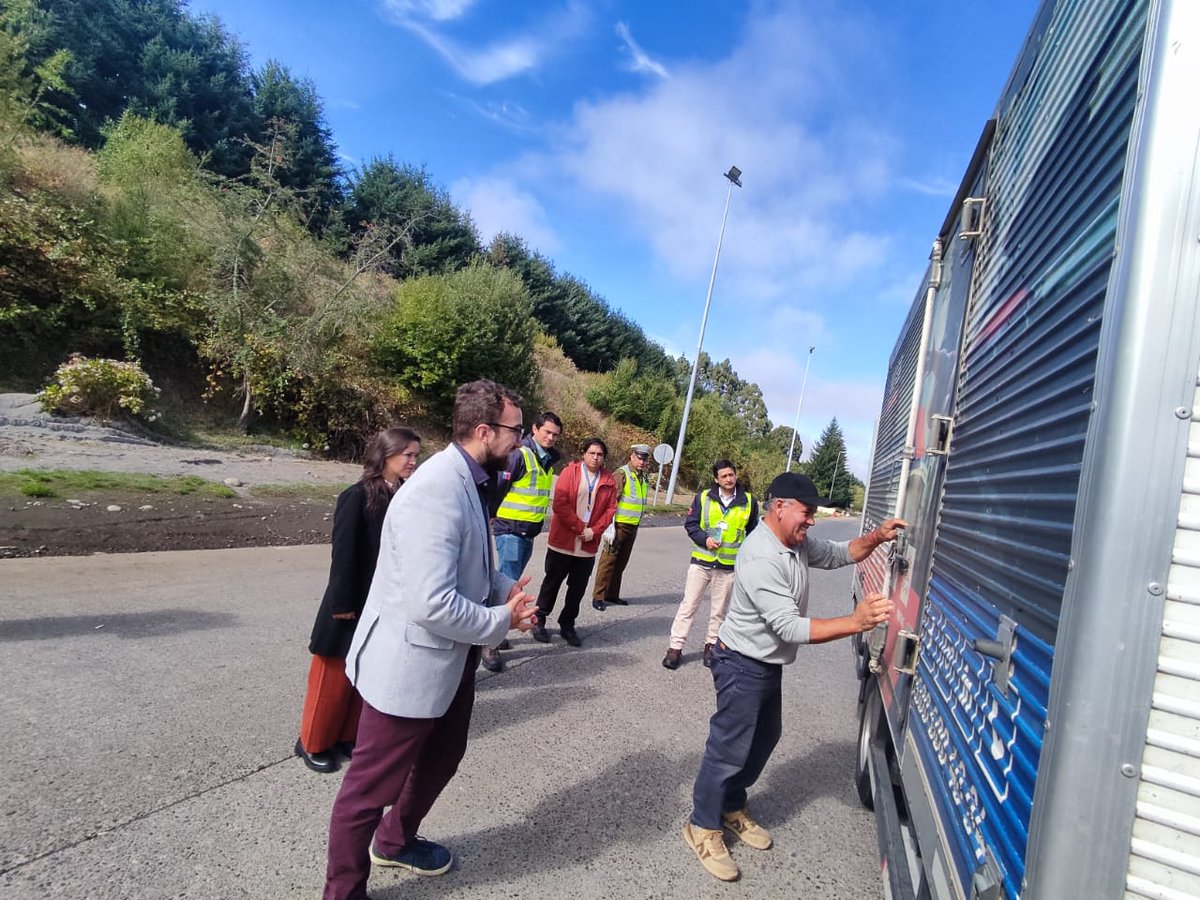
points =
(663, 454)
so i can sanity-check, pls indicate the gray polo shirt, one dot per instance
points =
(768, 611)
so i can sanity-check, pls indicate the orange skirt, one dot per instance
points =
(331, 705)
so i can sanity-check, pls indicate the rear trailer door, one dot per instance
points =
(1000, 556)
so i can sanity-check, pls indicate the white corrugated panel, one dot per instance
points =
(1164, 860)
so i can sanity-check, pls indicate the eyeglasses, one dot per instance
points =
(516, 429)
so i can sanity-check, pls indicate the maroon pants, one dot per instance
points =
(398, 762)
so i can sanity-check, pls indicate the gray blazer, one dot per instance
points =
(434, 594)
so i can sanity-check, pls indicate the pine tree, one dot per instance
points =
(827, 465)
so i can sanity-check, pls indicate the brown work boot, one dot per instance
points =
(709, 846)
(672, 659)
(751, 833)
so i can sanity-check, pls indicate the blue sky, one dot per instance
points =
(599, 130)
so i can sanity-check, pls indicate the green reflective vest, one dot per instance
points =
(632, 501)
(529, 497)
(726, 525)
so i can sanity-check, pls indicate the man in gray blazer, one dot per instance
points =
(436, 595)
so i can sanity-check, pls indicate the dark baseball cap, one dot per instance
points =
(793, 486)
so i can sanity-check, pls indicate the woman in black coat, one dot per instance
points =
(331, 705)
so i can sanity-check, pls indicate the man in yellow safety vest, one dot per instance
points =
(717, 523)
(631, 503)
(521, 501)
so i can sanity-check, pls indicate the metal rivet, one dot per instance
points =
(1129, 770)
(1182, 412)
(1155, 588)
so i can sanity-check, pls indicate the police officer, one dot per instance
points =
(631, 503)
(523, 497)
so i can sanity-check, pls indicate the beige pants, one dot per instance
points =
(720, 583)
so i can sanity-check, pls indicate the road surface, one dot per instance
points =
(151, 702)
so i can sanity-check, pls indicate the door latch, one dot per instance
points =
(1000, 650)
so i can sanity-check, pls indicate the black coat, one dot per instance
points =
(356, 535)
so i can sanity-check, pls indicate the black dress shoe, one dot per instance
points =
(491, 660)
(540, 634)
(600, 605)
(346, 748)
(616, 601)
(569, 635)
(318, 762)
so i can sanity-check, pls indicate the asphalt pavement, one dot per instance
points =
(151, 702)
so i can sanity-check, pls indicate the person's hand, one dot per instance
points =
(588, 534)
(712, 543)
(521, 606)
(350, 617)
(889, 529)
(873, 610)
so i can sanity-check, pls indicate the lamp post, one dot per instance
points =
(799, 406)
(734, 175)
(833, 479)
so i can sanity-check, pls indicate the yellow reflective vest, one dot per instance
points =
(632, 502)
(528, 499)
(726, 525)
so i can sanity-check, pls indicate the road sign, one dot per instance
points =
(663, 454)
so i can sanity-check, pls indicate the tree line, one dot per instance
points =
(161, 200)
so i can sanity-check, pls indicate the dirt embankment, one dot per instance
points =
(298, 509)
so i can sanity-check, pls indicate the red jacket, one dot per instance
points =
(565, 524)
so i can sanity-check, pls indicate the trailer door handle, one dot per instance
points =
(1000, 651)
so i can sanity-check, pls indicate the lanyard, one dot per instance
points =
(590, 480)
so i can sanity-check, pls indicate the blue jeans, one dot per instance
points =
(514, 552)
(741, 734)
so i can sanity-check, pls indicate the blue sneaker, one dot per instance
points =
(419, 855)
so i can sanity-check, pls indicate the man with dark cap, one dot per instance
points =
(766, 623)
(632, 488)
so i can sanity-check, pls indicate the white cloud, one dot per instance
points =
(774, 107)
(932, 187)
(435, 10)
(502, 59)
(641, 61)
(497, 204)
(508, 114)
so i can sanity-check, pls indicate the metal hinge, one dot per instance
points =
(987, 881)
(972, 217)
(943, 427)
(908, 648)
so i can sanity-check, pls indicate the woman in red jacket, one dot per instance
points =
(585, 501)
(331, 706)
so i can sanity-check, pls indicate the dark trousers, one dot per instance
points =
(575, 570)
(741, 734)
(613, 560)
(398, 762)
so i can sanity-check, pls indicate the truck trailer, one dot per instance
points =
(1030, 714)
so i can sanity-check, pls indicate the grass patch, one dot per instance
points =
(59, 482)
(298, 491)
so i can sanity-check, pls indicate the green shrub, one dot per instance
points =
(446, 330)
(101, 388)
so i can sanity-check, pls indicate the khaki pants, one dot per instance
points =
(720, 584)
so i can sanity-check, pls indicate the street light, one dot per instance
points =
(796, 424)
(734, 175)
(833, 480)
